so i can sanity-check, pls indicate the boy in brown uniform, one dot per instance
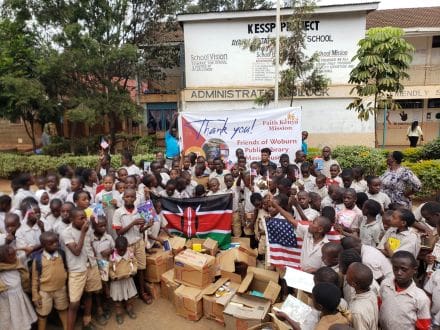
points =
(49, 281)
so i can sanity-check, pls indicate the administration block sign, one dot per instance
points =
(220, 133)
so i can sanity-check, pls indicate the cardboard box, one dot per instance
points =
(189, 302)
(213, 306)
(243, 312)
(155, 290)
(194, 269)
(261, 280)
(232, 263)
(168, 286)
(158, 262)
(209, 245)
(177, 244)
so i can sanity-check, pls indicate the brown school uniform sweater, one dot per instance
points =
(53, 275)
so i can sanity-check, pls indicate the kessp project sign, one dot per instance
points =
(220, 133)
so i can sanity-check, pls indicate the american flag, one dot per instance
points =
(281, 242)
(290, 255)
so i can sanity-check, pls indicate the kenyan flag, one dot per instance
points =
(201, 217)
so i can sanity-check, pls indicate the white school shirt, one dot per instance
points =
(433, 288)
(381, 198)
(27, 236)
(310, 213)
(133, 170)
(359, 186)
(2, 222)
(60, 194)
(311, 254)
(408, 241)
(87, 256)
(219, 177)
(401, 310)
(102, 243)
(92, 192)
(59, 227)
(376, 261)
(122, 218)
(65, 184)
(370, 233)
(248, 207)
(19, 196)
(163, 193)
(50, 222)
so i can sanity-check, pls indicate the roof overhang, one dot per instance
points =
(235, 15)
(421, 31)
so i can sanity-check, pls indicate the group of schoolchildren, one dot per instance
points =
(375, 264)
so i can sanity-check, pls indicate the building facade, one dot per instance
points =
(420, 100)
(221, 75)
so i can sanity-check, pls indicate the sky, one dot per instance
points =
(388, 4)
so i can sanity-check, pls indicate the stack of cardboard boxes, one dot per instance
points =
(225, 286)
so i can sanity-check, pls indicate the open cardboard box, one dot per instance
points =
(228, 260)
(261, 280)
(158, 262)
(213, 306)
(208, 244)
(189, 302)
(194, 269)
(168, 286)
(177, 244)
(244, 311)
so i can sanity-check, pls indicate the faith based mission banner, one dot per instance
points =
(220, 133)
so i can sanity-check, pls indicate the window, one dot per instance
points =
(434, 103)
(436, 42)
(410, 104)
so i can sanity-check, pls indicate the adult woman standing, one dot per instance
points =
(398, 182)
(413, 134)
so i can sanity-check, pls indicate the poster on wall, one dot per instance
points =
(220, 133)
(215, 55)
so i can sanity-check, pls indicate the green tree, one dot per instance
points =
(383, 57)
(22, 95)
(300, 73)
(100, 46)
(202, 6)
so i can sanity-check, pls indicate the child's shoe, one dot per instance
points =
(119, 319)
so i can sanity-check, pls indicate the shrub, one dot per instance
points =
(413, 154)
(372, 160)
(11, 164)
(428, 171)
(431, 150)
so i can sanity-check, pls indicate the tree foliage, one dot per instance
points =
(202, 6)
(300, 72)
(383, 57)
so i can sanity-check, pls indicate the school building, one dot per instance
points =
(221, 74)
(420, 99)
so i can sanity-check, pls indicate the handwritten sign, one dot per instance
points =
(220, 134)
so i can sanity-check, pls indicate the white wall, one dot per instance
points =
(318, 115)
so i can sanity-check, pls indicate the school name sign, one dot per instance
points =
(220, 133)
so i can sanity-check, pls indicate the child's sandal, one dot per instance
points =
(119, 319)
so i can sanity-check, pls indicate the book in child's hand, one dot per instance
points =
(107, 197)
(103, 267)
(147, 212)
(296, 309)
(394, 243)
(319, 163)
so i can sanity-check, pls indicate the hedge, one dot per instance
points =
(11, 164)
(372, 160)
(428, 171)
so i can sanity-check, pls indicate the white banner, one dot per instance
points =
(220, 133)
